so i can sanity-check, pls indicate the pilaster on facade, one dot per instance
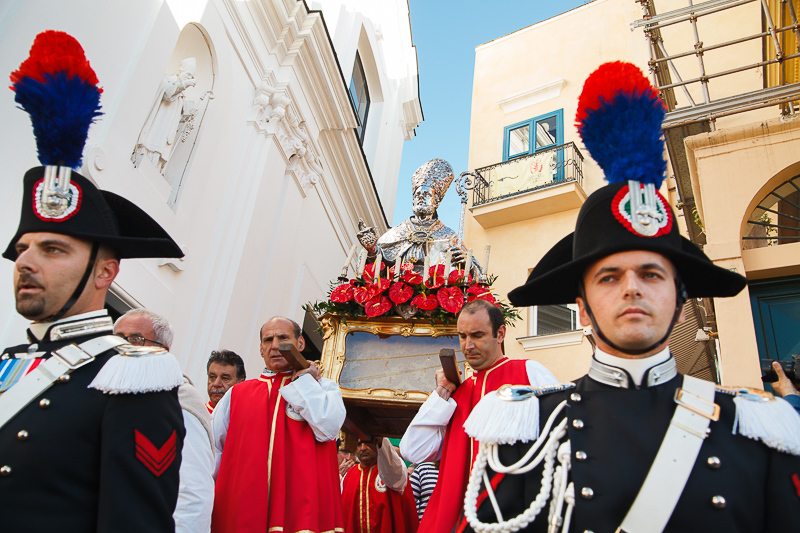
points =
(353, 182)
(305, 63)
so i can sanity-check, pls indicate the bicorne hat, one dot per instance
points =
(93, 215)
(619, 119)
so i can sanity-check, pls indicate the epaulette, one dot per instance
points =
(762, 416)
(509, 414)
(138, 369)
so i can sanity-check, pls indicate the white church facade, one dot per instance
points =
(257, 133)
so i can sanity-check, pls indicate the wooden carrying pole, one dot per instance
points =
(447, 357)
(293, 356)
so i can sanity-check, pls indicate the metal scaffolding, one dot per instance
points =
(663, 66)
(701, 112)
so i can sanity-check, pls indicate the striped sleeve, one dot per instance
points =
(423, 481)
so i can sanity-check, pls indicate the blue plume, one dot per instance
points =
(619, 119)
(61, 108)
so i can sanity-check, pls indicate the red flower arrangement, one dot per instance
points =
(409, 295)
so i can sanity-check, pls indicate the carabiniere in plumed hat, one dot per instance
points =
(619, 120)
(58, 88)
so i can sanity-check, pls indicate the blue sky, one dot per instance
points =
(446, 33)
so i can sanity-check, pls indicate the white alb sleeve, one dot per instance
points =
(538, 375)
(196, 493)
(319, 403)
(424, 437)
(220, 419)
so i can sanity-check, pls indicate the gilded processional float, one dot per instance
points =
(384, 327)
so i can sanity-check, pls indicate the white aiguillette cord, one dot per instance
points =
(676, 457)
(63, 361)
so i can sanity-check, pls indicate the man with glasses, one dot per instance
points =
(142, 327)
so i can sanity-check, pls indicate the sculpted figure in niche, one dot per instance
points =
(170, 117)
(423, 233)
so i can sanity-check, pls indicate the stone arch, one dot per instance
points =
(767, 210)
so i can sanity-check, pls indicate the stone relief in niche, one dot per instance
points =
(169, 111)
(170, 129)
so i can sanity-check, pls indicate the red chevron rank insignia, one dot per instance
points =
(157, 460)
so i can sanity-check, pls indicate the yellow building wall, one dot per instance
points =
(561, 52)
(735, 168)
(567, 47)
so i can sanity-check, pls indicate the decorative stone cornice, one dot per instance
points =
(274, 114)
(269, 107)
(296, 141)
(529, 97)
(283, 36)
(556, 340)
(412, 116)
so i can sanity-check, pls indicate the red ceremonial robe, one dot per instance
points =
(274, 476)
(370, 506)
(459, 450)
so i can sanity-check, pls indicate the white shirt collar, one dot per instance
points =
(637, 368)
(38, 330)
(269, 373)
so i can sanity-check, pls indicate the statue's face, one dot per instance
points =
(425, 203)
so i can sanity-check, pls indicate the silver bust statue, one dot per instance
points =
(423, 233)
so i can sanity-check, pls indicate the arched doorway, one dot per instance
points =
(771, 238)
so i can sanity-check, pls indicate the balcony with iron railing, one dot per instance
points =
(535, 185)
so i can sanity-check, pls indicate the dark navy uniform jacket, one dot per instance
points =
(82, 461)
(620, 434)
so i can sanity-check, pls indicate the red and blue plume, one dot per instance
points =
(619, 120)
(58, 89)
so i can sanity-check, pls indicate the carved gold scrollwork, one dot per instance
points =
(328, 328)
(335, 332)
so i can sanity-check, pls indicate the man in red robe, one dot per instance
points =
(376, 495)
(437, 431)
(275, 446)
